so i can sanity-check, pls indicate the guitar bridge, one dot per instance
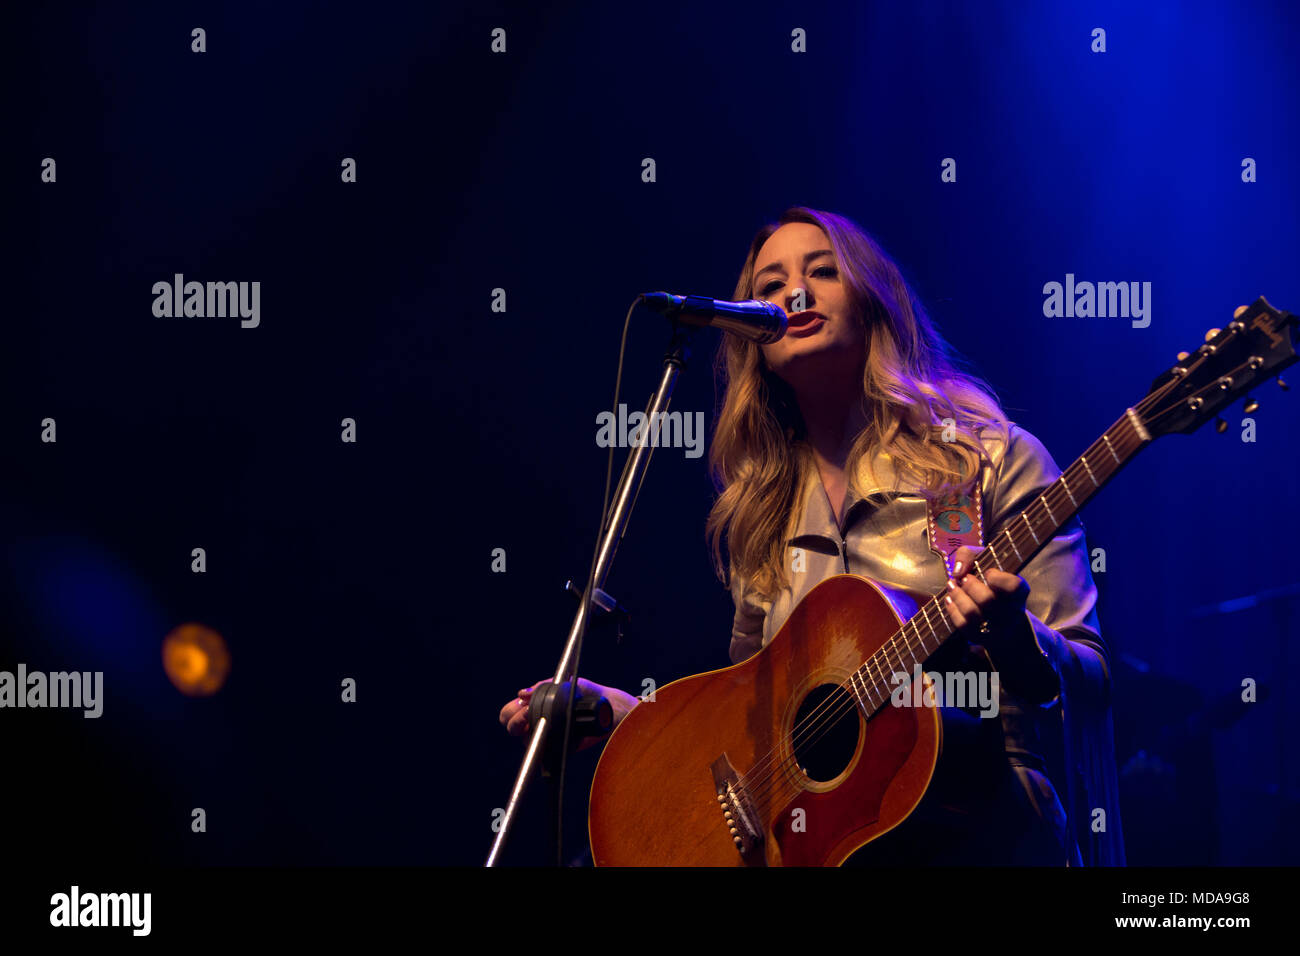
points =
(737, 811)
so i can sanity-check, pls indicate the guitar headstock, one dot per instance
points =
(1253, 348)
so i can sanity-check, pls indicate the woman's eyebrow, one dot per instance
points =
(776, 266)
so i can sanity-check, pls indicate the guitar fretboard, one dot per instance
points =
(1009, 550)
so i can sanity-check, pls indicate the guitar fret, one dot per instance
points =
(1106, 439)
(867, 688)
(1030, 526)
(871, 660)
(884, 668)
(945, 621)
(937, 631)
(1083, 459)
(1138, 427)
(895, 665)
(943, 616)
(1066, 486)
(1010, 540)
(856, 676)
(861, 702)
(1048, 508)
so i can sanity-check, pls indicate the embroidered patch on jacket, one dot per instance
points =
(955, 520)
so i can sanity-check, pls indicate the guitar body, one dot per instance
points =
(654, 798)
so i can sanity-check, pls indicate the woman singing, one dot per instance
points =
(830, 447)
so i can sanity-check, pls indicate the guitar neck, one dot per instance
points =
(1016, 544)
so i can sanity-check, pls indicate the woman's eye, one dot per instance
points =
(830, 271)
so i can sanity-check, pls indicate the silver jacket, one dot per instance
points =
(883, 537)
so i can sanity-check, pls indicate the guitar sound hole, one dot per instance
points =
(826, 732)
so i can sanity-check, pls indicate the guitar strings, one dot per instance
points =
(834, 703)
(811, 722)
(822, 722)
(762, 779)
(840, 703)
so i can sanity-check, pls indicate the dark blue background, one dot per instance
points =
(476, 429)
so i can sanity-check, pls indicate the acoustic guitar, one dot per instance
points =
(711, 772)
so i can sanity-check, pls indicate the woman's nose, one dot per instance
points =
(797, 300)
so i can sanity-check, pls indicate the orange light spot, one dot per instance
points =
(195, 660)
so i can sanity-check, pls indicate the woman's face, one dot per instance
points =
(822, 338)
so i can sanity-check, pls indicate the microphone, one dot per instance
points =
(753, 319)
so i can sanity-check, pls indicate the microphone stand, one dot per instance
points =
(615, 522)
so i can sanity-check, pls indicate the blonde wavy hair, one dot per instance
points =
(759, 456)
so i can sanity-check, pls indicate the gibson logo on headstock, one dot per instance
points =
(1261, 323)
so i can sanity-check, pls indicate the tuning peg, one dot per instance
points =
(1250, 405)
(1211, 334)
(1183, 355)
(1285, 387)
(1220, 425)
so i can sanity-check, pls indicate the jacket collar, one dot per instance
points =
(818, 518)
